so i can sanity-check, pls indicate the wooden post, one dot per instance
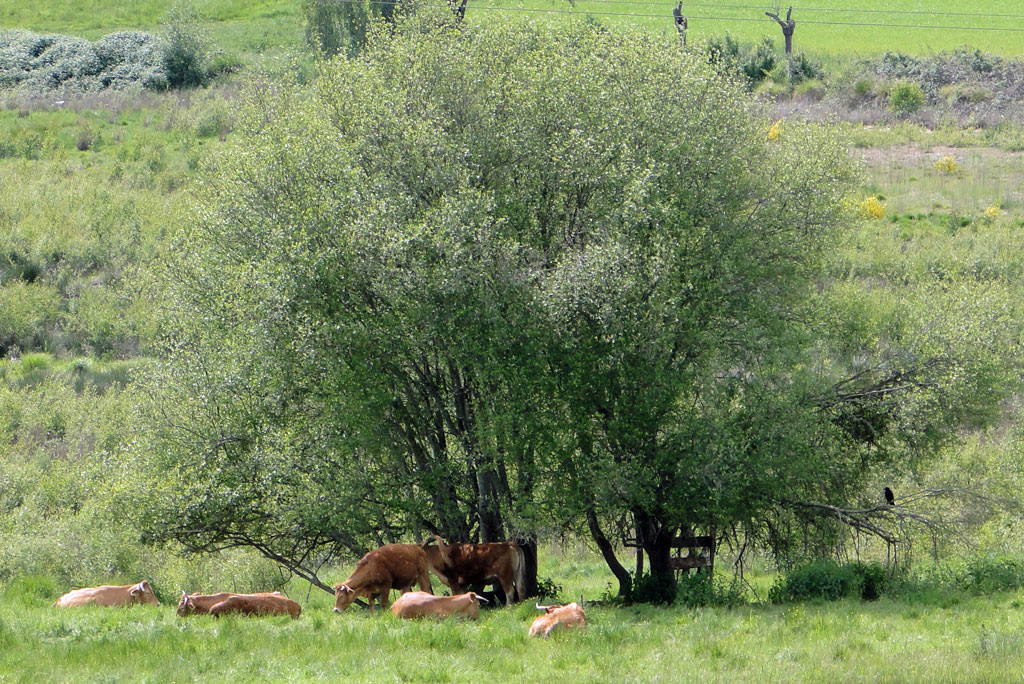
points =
(681, 23)
(788, 26)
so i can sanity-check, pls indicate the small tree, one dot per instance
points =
(184, 47)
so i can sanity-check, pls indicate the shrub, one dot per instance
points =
(759, 62)
(873, 580)
(905, 97)
(547, 588)
(989, 574)
(724, 51)
(656, 589)
(827, 580)
(703, 589)
(184, 50)
(33, 64)
(84, 140)
(872, 208)
(947, 164)
(803, 68)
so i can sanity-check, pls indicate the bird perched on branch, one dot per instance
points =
(889, 498)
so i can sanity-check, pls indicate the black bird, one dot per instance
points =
(889, 498)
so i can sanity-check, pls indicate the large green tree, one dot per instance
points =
(495, 284)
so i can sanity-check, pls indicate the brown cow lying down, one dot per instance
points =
(110, 595)
(554, 617)
(200, 604)
(460, 565)
(418, 604)
(394, 566)
(259, 606)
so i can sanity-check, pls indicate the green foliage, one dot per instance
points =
(702, 590)
(759, 61)
(36, 65)
(827, 580)
(988, 574)
(184, 48)
(802, 67)
(548, 588)
(905, 97)
(486, 219)
(343, 27)
(654, 589)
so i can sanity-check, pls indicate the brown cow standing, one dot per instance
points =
(460, 565)
(394, 566)
(110, 595)
(570, 615)
(200, 604)
(249, 604)
(418, 604)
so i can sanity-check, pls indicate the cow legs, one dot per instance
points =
(384, 598)
(509, 588)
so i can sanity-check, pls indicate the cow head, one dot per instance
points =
(343, 597)
(143, 593)
(186, 606)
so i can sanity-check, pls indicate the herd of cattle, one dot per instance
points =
(394, 566)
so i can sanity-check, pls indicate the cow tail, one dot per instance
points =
(520, 574)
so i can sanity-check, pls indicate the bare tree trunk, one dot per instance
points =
(605, 547)
(788, 27)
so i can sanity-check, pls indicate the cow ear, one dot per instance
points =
(135, 591)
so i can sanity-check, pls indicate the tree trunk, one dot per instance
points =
(605, 547)
(659, 553)
(492, 529)
(529, 547)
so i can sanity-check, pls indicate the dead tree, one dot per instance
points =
(788, 26)
(459, 10)
(681, 22)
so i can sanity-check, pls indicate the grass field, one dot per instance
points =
(832, 27)
(969, 640)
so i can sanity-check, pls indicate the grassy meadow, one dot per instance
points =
(948, 638)
(833, 27)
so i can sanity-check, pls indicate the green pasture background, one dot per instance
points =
(828, 27)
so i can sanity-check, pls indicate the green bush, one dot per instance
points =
(827, 580)
(656, 589)
(804, 68)
(32, 64)
(547, 588)
(184, 49)
(722, 52)
(905, 97)
(704, 589)
(759, 62)
(989, 574)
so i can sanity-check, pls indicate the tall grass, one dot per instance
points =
(849, 641)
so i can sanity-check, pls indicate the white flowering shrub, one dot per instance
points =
(37, 65)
